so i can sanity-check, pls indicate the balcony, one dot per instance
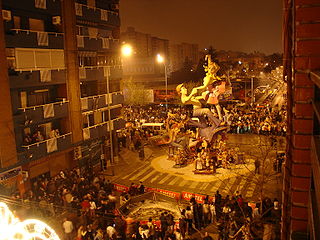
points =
(43, 148)
(91, 74)
(116, 72)
(25, 79)
(97, 44)
(42, 113)
(119, 123)
(21, 38)
(52, 7)
(101, 129)
(34, 59)
(117, 98)
(101, 101)
(97, 15)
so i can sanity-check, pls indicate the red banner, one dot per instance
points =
(120, 188)
(187, 196)
(168, 193)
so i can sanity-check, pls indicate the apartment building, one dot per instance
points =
(60, 86)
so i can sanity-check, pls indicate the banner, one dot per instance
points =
(10, 174)
(167, 193)
(199, 198)
(120, 188)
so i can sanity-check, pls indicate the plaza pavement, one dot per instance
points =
(157, 171)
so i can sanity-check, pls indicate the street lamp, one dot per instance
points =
(126, 50)
(160, 59)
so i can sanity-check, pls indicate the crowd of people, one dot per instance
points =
(255, 119)
(85, 202)
(86, 208)
(258, 120)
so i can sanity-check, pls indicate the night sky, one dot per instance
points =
(240, 25)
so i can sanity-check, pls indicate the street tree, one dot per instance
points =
(135, 93)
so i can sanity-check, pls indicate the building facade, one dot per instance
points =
(301, 184)
(61, 99)
(184, 53)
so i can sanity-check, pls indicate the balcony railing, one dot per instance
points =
(102, 129)
(44, 112)
(43, 148)
(94, 14)
(24, 38)
(101, 101)
(36, 78)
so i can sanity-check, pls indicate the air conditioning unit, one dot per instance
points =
(56, 20)
(6, 15)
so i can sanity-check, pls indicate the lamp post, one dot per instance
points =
(160, 59)
(126, 51)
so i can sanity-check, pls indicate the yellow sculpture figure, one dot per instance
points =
(212, 85)
(201, 113)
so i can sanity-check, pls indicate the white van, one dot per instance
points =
(154, 127)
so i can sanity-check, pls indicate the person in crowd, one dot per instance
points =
(68, 229)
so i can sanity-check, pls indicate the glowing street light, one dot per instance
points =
(14, 229)
(160, 59)
(126, 50)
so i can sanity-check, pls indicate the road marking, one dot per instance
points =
(133, 172)
(182, 183)
(235, 185)
(156, 177)
(148, 175)
(140, 173)
(193, 184)
(176, 179)
(165, 179)
(229, 183)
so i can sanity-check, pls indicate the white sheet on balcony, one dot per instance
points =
(84, 103)
(106, 71)
(93, 32)
(48, 110)
(104, 15)
(52, 145)
(78, 9)
(82, 73)
(40, 4)
(45, 76)
(86, 133)
(108, 98)
(80, 41)
(43, 39)
(105, 43)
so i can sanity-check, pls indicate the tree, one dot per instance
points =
(135, 93)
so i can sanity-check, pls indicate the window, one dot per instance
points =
(38, 97)
(17, 22)
(36, 24)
